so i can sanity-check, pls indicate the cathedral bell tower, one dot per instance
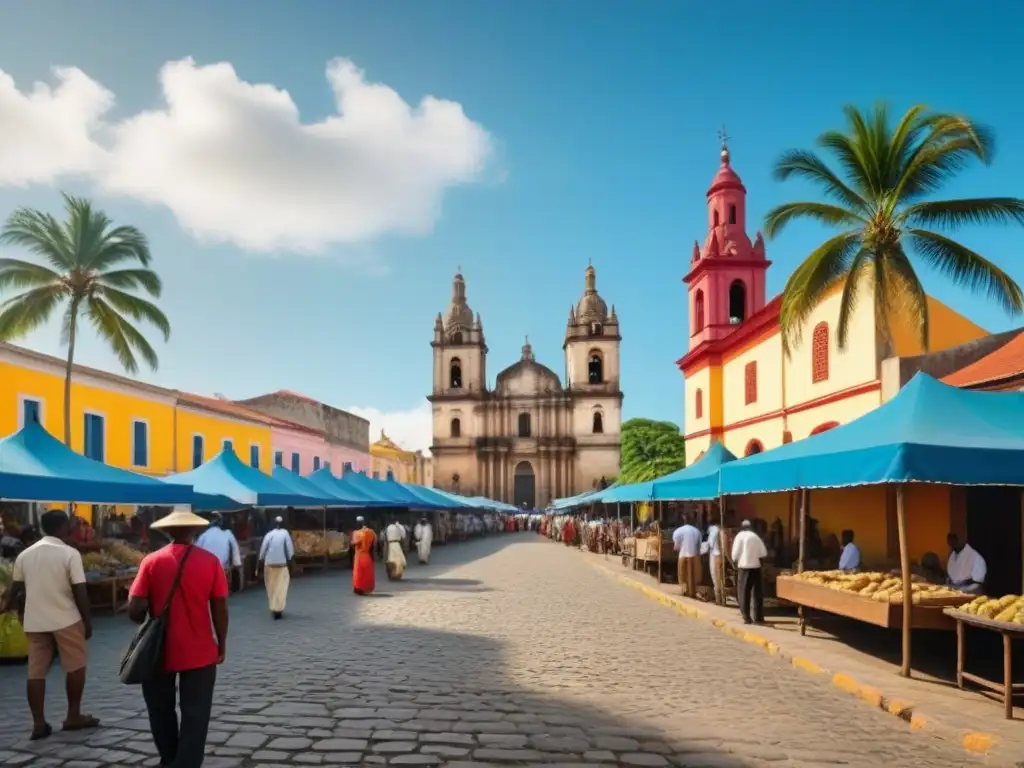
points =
(591, 341)
(727, 274)
(460, 352)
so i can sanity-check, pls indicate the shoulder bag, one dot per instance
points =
(144, 658)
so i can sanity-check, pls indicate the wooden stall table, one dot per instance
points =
(929, 615)
(110, 592)
(629, 553)
(1009, 632)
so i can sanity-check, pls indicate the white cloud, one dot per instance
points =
(412, 430)
(235, 163)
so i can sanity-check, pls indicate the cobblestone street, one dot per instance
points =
(508, 650)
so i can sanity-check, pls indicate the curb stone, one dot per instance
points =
(977, 742)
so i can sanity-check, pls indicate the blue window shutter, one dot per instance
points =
(295, 463)
(254, 456)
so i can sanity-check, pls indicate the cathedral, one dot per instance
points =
(529, 439)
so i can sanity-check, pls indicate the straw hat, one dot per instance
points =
(181, 517)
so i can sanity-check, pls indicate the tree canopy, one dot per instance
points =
(650, 449)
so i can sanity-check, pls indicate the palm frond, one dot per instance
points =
(15, 273)
(807, 165)
(950, 143)
(41, 234)
(860, 266)
(147, 279)
(954, 214)
(27, 311)
(906, 295)
(831, 215)
(967, 268)
(135, 307)
(120, 334)
(120, 244)
(827, 263)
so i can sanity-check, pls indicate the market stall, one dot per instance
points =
(1003, 616)
(928, 433)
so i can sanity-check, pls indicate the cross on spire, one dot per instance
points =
(724, 137)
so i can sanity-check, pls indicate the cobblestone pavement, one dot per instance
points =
(508, 650)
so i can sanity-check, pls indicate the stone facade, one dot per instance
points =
(529, 439)
(340, 427)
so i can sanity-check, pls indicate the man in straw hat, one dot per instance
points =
(276, 553)
(191, 650)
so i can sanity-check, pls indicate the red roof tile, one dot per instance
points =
(1004, 363)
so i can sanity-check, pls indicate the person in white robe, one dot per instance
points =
(395, 558)
(424, 538)
(966, 569)
(276, 553)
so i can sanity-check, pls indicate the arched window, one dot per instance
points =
(754, 446)
(391, 475)
(698, 312)
(819, 353)
(732, 214)
(750, 382)
(457, 337)
(456, 428)
(716, 218)
(824, 427)
(698, 403)
(455, 373)
(598, 423)
(595, 368)
(737, 302)
(524, 425)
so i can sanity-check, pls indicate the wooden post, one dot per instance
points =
(1007, 676)
(804, 493)
(908, 595)
(722, 570)
(657, 509)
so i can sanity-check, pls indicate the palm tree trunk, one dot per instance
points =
(72, 327)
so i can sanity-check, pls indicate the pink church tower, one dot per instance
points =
(727, 275)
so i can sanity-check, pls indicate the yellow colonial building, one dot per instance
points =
(126, 423)
(389, 460)
(740, 387)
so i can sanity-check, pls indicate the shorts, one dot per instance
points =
(69, 644)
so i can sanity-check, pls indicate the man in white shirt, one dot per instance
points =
(424, 536)
(48, 592)
(966, 569)
(747, 552)
(686, 541)
(715, 561)
(220, 541)
(849, 559)
(395, 560)
(276, 553)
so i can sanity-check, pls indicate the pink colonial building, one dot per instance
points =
(310, 435)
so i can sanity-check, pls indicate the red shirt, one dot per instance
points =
(190, 642)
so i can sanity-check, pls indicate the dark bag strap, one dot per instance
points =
(177, 581)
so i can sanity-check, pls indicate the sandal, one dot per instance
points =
(41, 732)
(86, 722)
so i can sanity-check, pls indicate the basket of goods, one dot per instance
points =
(337, 544)
(114, 558)
(1008, 609)
(884, 587)
(309, 544)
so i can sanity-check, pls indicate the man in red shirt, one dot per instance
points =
(196, 641)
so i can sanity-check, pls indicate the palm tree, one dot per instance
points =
(88, 272)
(880, 207)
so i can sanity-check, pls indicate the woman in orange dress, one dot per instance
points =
(363, 542)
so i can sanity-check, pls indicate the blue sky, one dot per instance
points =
(603, 119)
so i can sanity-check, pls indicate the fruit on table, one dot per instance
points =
(883, 587)
(1008, 608)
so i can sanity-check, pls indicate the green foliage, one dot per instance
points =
(878, 202)
(650, 449)
(89, 270)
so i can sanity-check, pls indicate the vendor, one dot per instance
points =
(849, 558)
(965, 569)
(81, 531)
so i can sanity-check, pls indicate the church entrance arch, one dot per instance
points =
(525, 486)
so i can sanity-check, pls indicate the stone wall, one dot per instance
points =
(339, 427)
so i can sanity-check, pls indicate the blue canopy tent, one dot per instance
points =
(928, 433)
(345, 493)
(226, 475)
(36, 466)
(697, 482)
(298, 484)
(433, 497)
(395, 489)
(373, 489)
